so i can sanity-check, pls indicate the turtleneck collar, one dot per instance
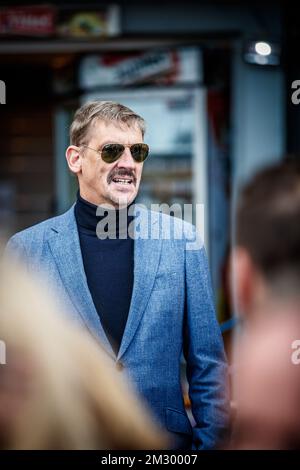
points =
(88, 220)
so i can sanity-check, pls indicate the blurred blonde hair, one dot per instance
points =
(78, 400)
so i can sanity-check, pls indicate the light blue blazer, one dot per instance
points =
(171, 312)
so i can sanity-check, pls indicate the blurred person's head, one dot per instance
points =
(107, 174)
(266, 258)
(266, 263)
(58, 388)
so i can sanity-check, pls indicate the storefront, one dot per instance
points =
(186, 78)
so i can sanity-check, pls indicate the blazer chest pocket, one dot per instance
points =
(165, 280)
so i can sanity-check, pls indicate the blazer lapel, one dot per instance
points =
(65, 247)
(146, 261)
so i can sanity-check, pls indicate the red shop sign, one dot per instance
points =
(31, 20)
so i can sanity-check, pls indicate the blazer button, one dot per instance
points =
(119, 366)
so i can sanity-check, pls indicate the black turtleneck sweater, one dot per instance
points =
(108, 265)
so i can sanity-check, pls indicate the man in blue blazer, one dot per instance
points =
(137, 280)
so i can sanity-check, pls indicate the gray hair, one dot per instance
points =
(108, 111)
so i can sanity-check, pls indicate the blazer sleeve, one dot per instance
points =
(207, 370)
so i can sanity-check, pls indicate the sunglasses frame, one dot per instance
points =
(124, 146)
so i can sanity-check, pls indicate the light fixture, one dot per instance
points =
(263, 48)
(261, 53)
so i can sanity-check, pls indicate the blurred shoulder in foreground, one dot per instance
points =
(58, 388)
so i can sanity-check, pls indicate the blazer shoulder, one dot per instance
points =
(38, 230)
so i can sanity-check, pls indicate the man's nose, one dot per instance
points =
(126, 160)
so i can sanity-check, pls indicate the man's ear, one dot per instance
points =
(74, 158)
(243, 278)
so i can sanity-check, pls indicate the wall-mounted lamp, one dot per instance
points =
(261, 53)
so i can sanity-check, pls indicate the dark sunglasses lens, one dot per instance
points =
(111, 152)
(139, 152)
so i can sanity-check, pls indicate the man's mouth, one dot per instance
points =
(125, 181)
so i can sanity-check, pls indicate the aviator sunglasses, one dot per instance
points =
(112, 152)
